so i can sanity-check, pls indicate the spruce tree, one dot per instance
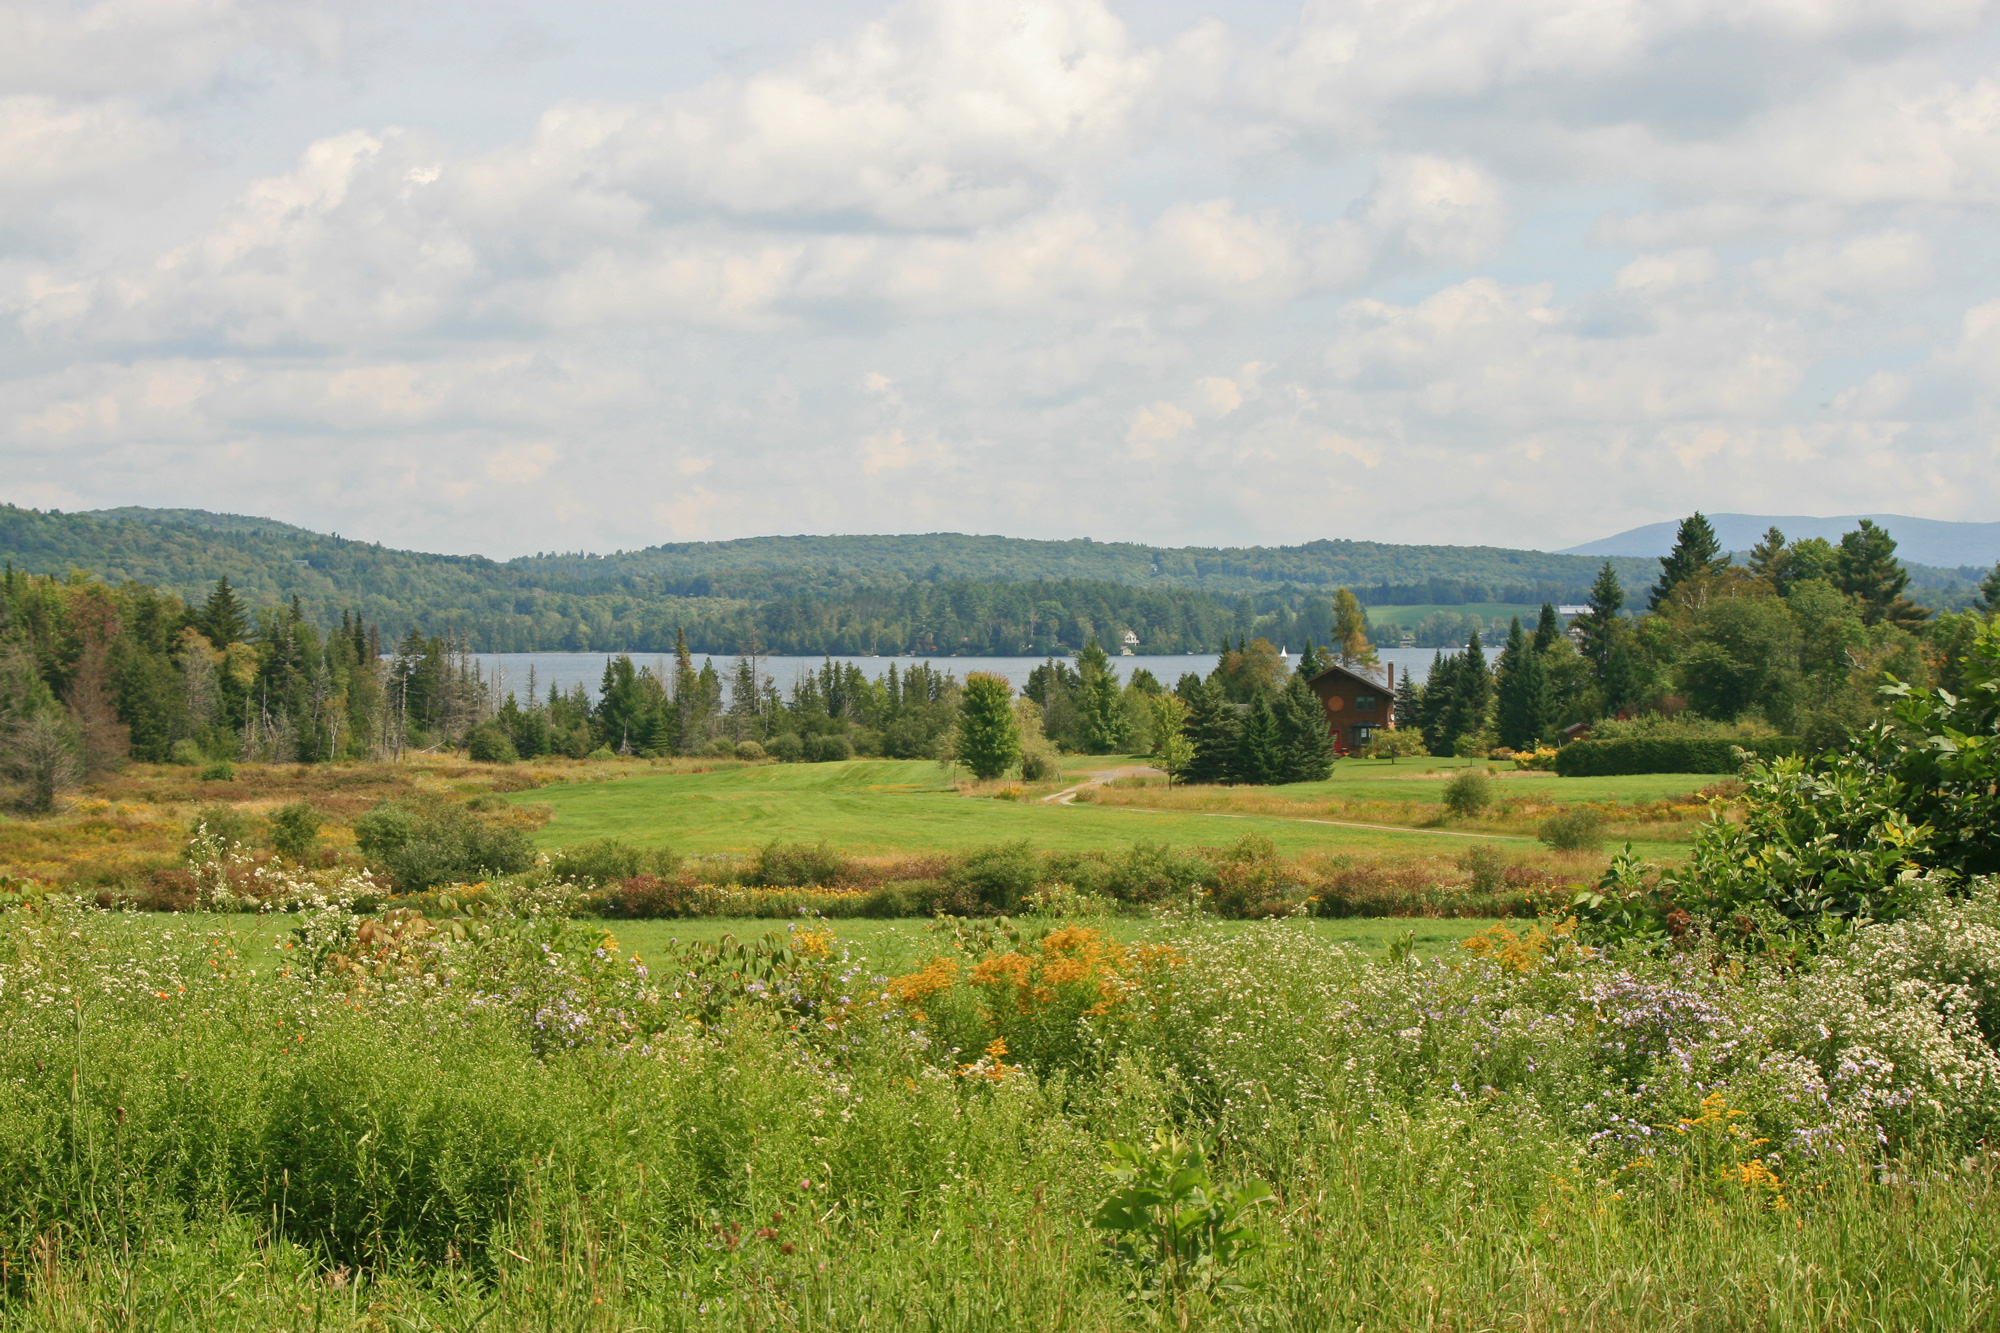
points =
(1769, 557)
(1989, 591)
(1548, 629)
(1409, 702)
(1212, 727)
(1472, 692)
(1101, 723)
(222, 618)
(1524, 692)
(1305, 746)
(1259, 751)
(1696, 552)
(1433, 713)
(1866, 569)
(1599, 625)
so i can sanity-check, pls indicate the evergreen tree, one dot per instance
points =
(1212, 727)
(1696, 552)
(1305, 748)
(1989, 591)
(1409, 702)
(222, 619)
(1471, 694)
(1310, 664)
(1600, 625)
(1548, 628)
(1866, 569)
(1101, 722)
(1433, 713)
(1769, 557)
(1524, 692)
(987, 739)
(1259, 749)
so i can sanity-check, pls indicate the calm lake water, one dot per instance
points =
(510, 670)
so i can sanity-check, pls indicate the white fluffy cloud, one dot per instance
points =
(1513, 272)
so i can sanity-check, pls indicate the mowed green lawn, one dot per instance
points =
(891, 947)
(872, 806)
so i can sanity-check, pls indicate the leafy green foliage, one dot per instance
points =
(1467, 794)
(1171, 1225)
(295, 829)
(986, 739)
(1578, 829)
(424, 842)
(1668, 754)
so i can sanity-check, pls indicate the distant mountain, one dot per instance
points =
(1923, 541)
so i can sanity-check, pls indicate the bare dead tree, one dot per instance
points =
(43, 753)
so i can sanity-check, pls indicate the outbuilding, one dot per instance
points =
(1357, 705)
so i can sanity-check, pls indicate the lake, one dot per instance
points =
(509, 671)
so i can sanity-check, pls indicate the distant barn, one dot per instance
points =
(1357, 705)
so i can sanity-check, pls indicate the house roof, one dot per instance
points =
(1349, 673)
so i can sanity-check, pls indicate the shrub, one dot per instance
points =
(295, 829)
(749, 750)
(786, 749)
(1468, 793)
(1250, 881)
(998, 878)
(1395, 744)
(1155, 873)
(1576, 830)
(219, 771)
(1040, 765)
(602, 753)
(609, 860)
(1485, 867)
(652, 898)
(187, 753)
(225, 824)
(827, 749)
(1592, 759)
(720, 748)
(797, 864)
(489, 743)
(424, 842)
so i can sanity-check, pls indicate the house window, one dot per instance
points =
(1363, 735)
(1366, 703)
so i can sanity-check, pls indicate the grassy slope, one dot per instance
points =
(877, 806)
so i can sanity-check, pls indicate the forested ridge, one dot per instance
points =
(935, 593)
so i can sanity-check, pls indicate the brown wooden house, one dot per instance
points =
(1357, 705)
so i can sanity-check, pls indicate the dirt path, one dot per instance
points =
(1098, 779)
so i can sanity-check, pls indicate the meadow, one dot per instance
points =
(507, 1123)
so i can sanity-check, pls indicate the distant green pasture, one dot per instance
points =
(875, 806)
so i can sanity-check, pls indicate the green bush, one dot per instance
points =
(489, 743)
(1615, 758)
(602, 753)
(1039, 764)
(786, 749)
(796, 865)
(1156, 873)
(219, 771)
(1486, 867)
(224, 823)
(187, 753)
(608, 860)
(1579, 829)
(720, 748)
(424, 842)
(749, 750)
(295, 829)
(828, 749)
(1468, 793)
(998, 878)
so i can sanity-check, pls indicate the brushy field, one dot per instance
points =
(502, 1122)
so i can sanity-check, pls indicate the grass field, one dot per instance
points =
(884, 806)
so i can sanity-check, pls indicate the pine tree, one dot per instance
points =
(1432, 715)
(1305, 747)
(222, 618)
(1259, 751)
(1989, 591)
(1696, 552)
(1599, 625)
(1867, 570)
(1309, 662)
(1769, 558)
(1547, 629)
(1101, 723)
(1409, 702)
(1212, 726)
(1472, 693)
(1524, 692)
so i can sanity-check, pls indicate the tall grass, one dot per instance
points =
(394, 1126)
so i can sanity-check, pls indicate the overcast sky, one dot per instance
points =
(517, 277)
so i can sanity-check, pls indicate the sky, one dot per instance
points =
(514, 277)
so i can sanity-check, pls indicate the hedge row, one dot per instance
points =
(1599, 759)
